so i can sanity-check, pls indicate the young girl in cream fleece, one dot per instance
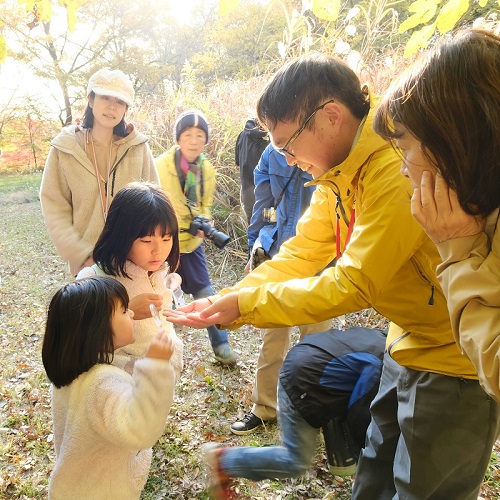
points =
(139, 247)
(105, 420)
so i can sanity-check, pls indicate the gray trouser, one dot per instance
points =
(430, 437)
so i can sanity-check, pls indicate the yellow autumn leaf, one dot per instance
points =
(44, 10)
(421, 5)
(424, 12)
(450, 14)
(227, 6)
(482, 3)
(71, 19)
(3, 49)
(327, 10)
(419, 39)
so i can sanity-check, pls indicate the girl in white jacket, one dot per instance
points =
(105, 420)
(139, 246)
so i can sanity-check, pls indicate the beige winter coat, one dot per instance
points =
(470, 277)
(69, 193)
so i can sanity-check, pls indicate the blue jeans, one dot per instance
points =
(217, 337)
(276, 462)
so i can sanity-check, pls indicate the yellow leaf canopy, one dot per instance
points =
(327, 10)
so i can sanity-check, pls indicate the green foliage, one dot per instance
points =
(241, 45)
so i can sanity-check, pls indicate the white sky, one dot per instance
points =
(17, 79)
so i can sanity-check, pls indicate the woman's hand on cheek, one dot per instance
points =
(140, 304)
(436, 208)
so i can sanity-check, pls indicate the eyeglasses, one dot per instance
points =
(284, 150)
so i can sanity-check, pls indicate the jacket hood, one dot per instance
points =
(253, 131)
(66, 139)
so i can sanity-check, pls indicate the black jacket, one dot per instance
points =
(250, 145)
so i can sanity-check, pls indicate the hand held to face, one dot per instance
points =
(161, 346)
(436, 208)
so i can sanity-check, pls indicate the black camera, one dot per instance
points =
(200, 223)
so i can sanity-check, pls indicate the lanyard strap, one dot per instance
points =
(104, 195)
(349, 231)
(294, 174)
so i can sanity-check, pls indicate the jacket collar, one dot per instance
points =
(367, 144)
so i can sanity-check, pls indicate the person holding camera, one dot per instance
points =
(189, 178)
(280, 200)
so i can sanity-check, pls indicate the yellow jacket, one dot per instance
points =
(169, 181)
(389, 263)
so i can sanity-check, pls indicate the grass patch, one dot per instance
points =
(19, 188)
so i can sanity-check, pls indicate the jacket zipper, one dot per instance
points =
(426, 279)
(430, 301)
(113, 172)
(395, 341)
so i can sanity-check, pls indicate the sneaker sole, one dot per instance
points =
(343, 471)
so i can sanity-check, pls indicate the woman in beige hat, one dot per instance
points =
(88, 164)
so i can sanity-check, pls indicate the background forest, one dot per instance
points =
(214, 55)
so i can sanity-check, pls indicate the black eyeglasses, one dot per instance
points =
(284, 150)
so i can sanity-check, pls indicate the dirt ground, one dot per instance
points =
(208, 398)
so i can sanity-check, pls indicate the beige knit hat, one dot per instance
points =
(114, 83)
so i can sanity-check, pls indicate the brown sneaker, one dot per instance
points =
(220, 481)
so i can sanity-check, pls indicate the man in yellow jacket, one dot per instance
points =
(432, 427)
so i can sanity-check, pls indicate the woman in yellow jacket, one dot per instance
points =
(189, 178)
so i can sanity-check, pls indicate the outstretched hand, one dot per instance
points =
(436, 208)
(202, 314)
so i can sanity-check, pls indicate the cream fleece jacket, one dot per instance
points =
(105, 424)
(145, 329)
(69, 193)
